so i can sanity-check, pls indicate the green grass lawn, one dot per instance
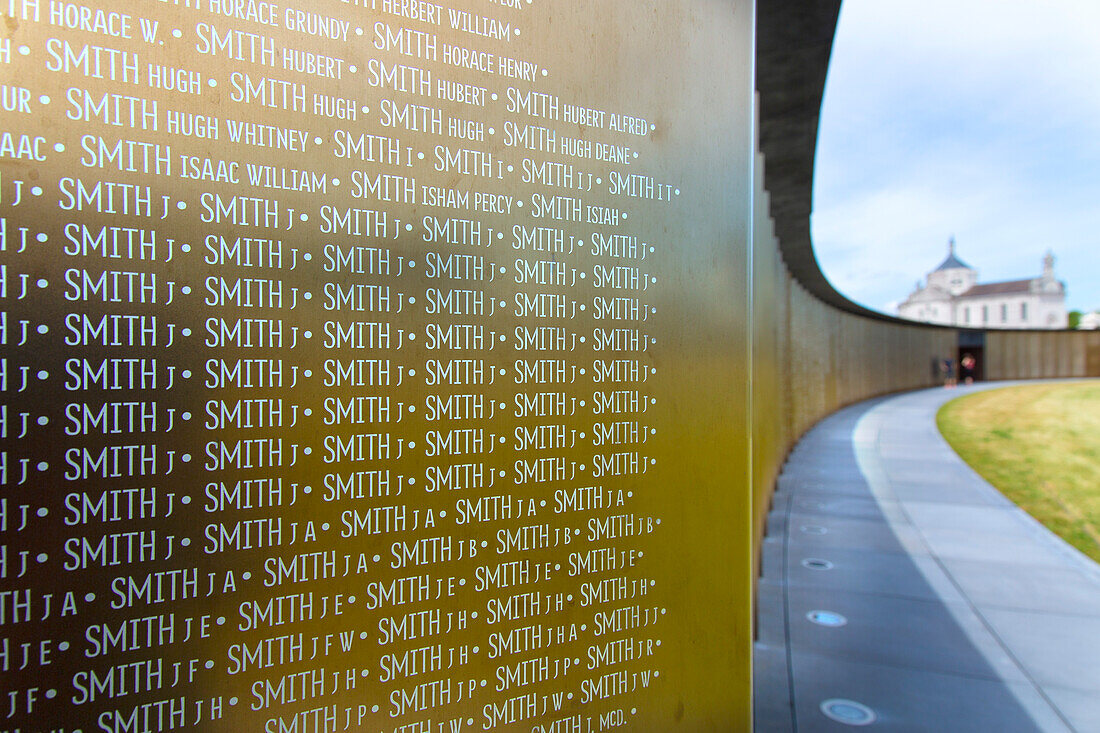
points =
(1040, 445)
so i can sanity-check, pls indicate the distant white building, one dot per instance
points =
(1089, 321)
(952, 296)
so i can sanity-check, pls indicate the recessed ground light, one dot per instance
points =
(848, 712)
(813, 529)
(815, 563)
(813, 505)
(827, 618)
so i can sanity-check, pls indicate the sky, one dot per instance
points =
(972, 119)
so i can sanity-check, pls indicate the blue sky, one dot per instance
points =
(978, 119)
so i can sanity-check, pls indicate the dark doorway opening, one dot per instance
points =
(978, 372)
(972, 343)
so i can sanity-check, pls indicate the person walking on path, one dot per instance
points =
(967, 368)
(947, 370)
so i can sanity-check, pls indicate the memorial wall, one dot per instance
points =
(374, 365)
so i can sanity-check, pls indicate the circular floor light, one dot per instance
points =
(848, 712)
(816, 563)
(831, 619)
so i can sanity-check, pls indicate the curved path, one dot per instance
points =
(944, 606)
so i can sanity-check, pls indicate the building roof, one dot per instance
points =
(952, 262)
(794, 40)
(1001, 288)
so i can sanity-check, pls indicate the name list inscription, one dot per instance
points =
(328, 337)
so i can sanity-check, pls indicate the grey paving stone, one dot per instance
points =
(1026, 588)
(849, 507)
(1002, 520)
(1079, 707)
(900, 632)
(915, 701)
(1061, 650)
(776, 525)
(772, 710)
(861, 571)
(915, 575)
(770, 619)
(846, 486)
(825, 471)
(839, 448)
(827, 532)
(889, 449)
(928, 472)
(771, 560)
(924, 491)
(989, 546)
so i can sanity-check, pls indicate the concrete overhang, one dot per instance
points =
(794, 39)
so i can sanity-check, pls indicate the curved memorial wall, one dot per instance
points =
(811, 357)
(401, 365)
(814, 350)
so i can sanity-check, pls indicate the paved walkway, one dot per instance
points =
(896, 578)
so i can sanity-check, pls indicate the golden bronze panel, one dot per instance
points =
(375, 365)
